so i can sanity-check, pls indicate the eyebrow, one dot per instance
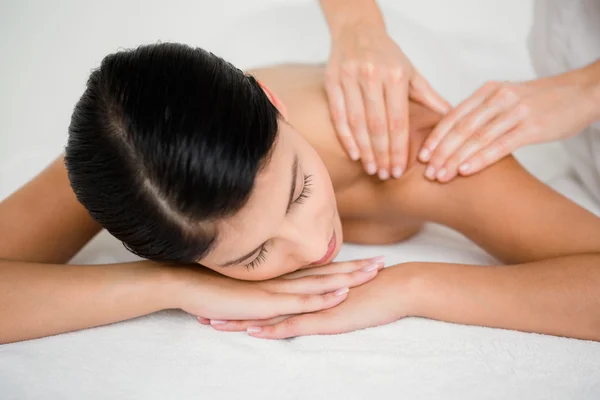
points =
(287, 209)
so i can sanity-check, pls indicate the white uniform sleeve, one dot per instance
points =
(566, 35)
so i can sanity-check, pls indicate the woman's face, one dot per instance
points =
(290, 221)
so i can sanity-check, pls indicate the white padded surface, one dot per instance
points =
(48, 51)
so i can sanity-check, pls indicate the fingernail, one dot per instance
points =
(217, 322)
(430, 173)
(397, 172)
(441, 173)
(371, 267)
(354, 155)
(341, 291)
(464, 168)
(424, 155)
(371, 168)
(377, 259)
(253, 329)
(384, 174)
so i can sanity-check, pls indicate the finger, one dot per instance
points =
(355, 111)
(424, 93)
(286, 303)
(499, 126)
(337, 109)
(396, 97)
(300, 325)
(336, 268)
(495, 151)
(237, 326)
(203, 321)
(320, 284)
(461, 133)
(453, 116)
(375, 113)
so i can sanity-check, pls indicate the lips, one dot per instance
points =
(329, 252)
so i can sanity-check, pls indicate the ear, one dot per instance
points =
(274, 100)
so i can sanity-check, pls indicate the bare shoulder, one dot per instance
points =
(301, 88)
(382, 212)
(372, 211)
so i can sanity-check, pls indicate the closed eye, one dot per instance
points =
(306, 190)
(262, 255)
(304, 194)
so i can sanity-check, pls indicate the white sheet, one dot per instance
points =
(169, 355)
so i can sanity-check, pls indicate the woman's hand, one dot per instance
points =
(209, 295)
(368, 82)
(385, 299)
(501, 117)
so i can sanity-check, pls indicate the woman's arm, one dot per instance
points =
(506, 211)
(556, 297)
(553, 286)
(39, 300)
(43, 221)
(559, 296)
(43, 225)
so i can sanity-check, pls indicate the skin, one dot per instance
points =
(375, 212)
(369, 80)
(552, 244)
(42, 226)
(343, 199)
(501, 117)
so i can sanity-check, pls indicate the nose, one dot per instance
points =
(308, 240)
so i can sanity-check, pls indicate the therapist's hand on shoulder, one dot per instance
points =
(368, 83)
(501, 117)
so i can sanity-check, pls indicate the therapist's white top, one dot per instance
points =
(566, 35)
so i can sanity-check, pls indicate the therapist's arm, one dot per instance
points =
(594, 77)
(341, 13)
(368, 81)
(501, 117)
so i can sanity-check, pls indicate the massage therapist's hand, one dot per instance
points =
(381, 301)
(209, 295)
(500, 117)
(368, 83)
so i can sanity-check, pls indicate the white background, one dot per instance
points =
(47, 49)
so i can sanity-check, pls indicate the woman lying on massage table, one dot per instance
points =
(242, 195)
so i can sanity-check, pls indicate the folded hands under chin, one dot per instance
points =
(382, 300)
